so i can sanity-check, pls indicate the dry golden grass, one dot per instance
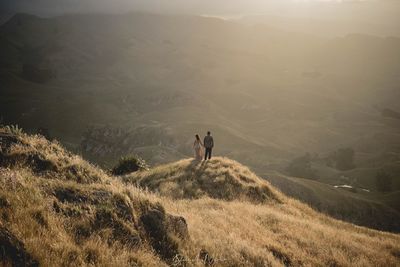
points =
(93, 219)
(256, 235)
(275, 232)
(219, 178)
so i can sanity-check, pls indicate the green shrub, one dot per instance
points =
(129, 164)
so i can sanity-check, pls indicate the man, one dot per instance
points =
(208, 144)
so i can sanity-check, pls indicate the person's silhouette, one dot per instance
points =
(208, 144)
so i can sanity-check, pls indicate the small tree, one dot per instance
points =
(128, 165)
(383, 181)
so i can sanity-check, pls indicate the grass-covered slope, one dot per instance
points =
(368, 209)
(58, 210)
(219, 178)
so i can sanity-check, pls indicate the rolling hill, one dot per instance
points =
(57, 209)
(259, 89)
(110, 85)
(374, 210)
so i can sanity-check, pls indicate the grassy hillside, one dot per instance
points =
(267, 95)
(374, 210)
(58, 209)
(219, 178)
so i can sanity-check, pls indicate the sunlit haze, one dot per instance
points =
(200, 133)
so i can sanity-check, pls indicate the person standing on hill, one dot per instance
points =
(208, 144)
(198, 148)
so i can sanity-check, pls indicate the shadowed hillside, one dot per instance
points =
(354, 206)
(57, 209)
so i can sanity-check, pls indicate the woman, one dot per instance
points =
(198, 148)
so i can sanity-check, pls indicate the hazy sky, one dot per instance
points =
(291, 7)
(384, 13)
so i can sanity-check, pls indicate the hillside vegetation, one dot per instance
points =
(267, 95)
(219, 178)
(107, 86)
(358, 207)
(58, 210)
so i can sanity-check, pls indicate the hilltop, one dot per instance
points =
(218, 178)
(58, 209)
(226, 179)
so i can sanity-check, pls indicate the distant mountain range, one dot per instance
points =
(110, 85)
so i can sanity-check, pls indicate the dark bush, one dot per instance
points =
(128, 165)
(342, 159)
(301, 167)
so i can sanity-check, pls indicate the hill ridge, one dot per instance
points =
(58, 209)
(218, 178)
